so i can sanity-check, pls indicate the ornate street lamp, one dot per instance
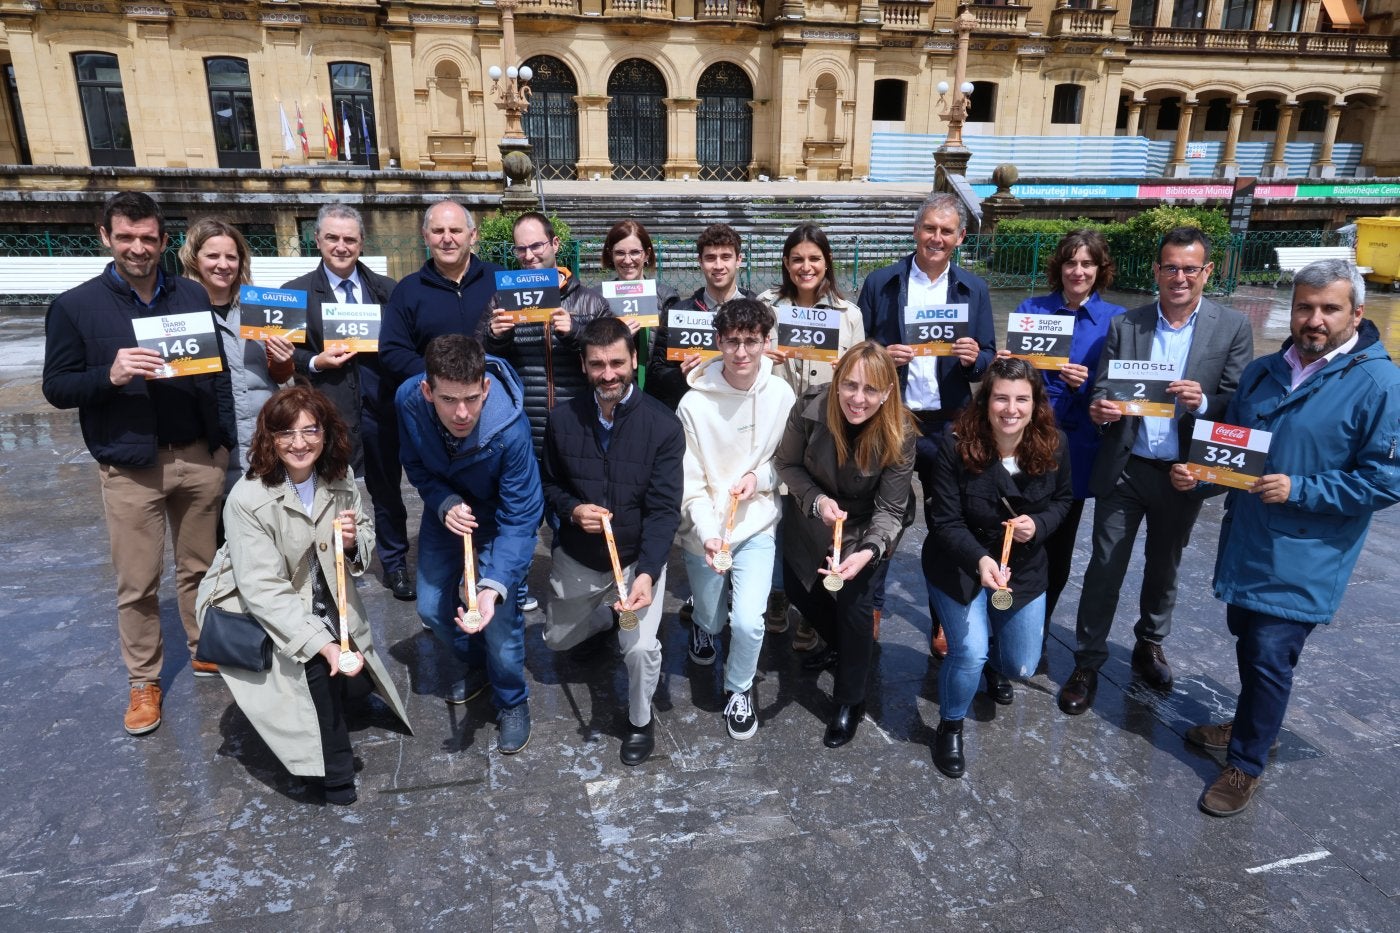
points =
(511, 89)
(952, 157)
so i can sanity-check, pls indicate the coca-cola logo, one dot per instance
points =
(1230, 434)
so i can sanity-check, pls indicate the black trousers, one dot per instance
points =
(845, 622)
(379, 431)
(328, 695)
(1059, 553)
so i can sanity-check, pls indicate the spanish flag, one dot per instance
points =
(332, 150)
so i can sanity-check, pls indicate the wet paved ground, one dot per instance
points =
(1081, 824)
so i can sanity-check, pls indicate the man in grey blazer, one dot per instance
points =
(1131, 478)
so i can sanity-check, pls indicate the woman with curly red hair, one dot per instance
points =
(1004, 469)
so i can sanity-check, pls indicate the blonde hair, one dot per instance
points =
(204, 230)
(882, 442)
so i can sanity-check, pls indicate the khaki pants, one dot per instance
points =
(185, 487)
(571, 615)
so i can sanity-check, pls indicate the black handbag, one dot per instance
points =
(234, 639)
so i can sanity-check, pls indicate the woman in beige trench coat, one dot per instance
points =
(278, 517)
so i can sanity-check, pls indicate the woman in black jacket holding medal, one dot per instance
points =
(1001, 486)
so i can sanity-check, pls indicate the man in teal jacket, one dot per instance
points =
(1331, 399)
(465, 445)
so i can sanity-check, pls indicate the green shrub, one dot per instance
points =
(1056, 227)
(1134, 244)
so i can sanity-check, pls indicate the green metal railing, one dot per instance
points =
(1006, 261)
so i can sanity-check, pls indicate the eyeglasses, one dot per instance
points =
(310, 434)
(1189, 271)
(628, 253)
(871, 394)
(539, 247)
(751, 344)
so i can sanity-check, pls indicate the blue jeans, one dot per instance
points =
(751, 577)
(500, 647)
(968, 629)
(1267, 649)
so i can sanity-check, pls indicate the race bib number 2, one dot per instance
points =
(1139, 387)
(187, 343)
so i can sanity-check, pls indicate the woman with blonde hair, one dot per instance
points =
(215, 254)
(846, 456)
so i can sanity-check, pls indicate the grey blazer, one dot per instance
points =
(1221, 347)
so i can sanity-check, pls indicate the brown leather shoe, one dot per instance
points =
(1215, 736)
(938, 645)
(775, 617)
(1230, 793)
(143, 713)
(876, 630)
(1079, 691)
(203, 668)
(1150, 663)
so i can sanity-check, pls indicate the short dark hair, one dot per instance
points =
(1093, 241)
(534, 215)
(455, 358)
(604, 332)
(279, 414)
(744, 316)
(719, 235)
(1184, 236)
(133, 205)
(621, 231)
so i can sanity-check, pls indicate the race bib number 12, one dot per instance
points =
(271, 312)
(187, 342)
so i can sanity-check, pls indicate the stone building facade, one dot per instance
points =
(674, 88)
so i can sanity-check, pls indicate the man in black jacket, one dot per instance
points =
(355, 383)
(721, 255)
(161, 444)
(613, 453)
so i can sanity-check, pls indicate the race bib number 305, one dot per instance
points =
(689, 332)
(350, 327)
(932, 330)
(1227, 454)
(271, 312)
(633, 299)
(809, 333)
(527, 296)
(1139, 387)
(187, 342)
(1040, 339)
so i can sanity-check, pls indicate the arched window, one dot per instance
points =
(231, 104)
(1217, 115)
(552, 120)
(1169, 114)
(1265, 116)
(724, 123)
(1068, 103)
(637, 121)
(352, 104)
(1312, 116)
(104, 109)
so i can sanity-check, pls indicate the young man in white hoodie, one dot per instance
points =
(733, 415)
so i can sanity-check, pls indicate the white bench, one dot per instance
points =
(54, 275)
(1293, 258)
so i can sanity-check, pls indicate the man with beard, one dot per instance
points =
(1288, 544)
(613, 454)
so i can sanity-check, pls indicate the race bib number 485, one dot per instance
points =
(350, 327)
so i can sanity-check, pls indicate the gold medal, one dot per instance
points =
(832, 581)
(627, 620)
(1001, 599)
(724, 559)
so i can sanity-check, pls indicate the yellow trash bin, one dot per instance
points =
(1378, 246)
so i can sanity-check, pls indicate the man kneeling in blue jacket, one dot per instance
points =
(1331, 398)
(465, 445)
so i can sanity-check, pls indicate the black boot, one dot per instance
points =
(820, 660)
(638, 743)
(842, 727)
(948, 748)
(998, 686)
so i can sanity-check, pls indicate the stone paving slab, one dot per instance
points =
(1084, 823)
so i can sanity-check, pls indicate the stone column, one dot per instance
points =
(680, 138)
(1323, 167)
(593, 158)
(1164, 14)
(401, 132)
(1277, 166)
(1263, 15)
(1215, 15)
(1311, 15)
(858, 143)
(1135, 107)
(1227, 167)
(1178, 166)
